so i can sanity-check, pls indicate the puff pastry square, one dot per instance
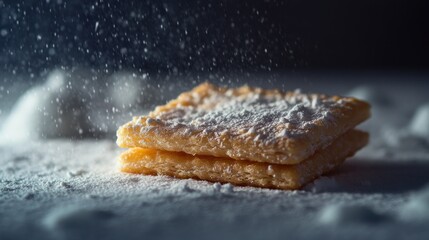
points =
(239, 172)
(245, 123)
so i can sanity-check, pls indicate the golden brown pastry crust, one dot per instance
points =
(221, 169)
(245, 124)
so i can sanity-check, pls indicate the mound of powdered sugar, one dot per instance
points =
(344, 214)
(420, 123)
(376, 96)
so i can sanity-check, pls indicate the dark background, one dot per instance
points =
(213, 36)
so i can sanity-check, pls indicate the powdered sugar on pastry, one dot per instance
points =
(265, 117)
(246, 123)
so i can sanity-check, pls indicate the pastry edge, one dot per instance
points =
(288, 177)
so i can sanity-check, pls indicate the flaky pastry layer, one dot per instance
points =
(227, 170)
(245, 124)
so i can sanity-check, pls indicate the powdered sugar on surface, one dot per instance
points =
(61, 189)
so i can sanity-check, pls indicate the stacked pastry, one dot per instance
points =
(244, 136)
